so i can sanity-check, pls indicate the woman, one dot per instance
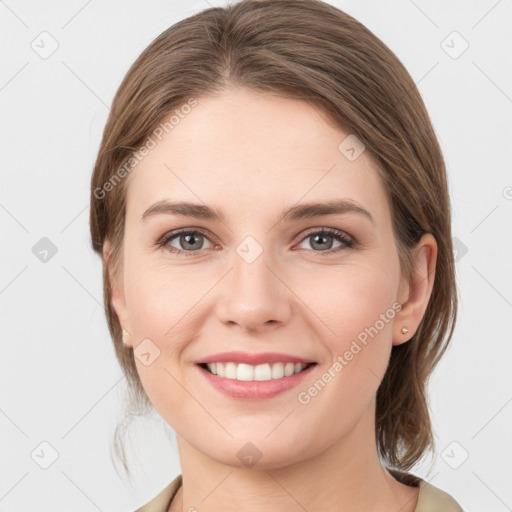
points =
(271, 208)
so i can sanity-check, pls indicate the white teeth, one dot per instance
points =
(289, 369)
(278, 370)
(248, 372)
(229, 370)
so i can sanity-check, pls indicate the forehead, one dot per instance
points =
(251, 150)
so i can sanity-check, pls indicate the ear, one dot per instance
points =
(117, 296)
(414, 294)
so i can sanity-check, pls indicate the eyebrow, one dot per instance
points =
(300, 211)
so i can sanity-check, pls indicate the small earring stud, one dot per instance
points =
(124, 337)
(405, 330)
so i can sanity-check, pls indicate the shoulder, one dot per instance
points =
(161, 502)
(430, 497)
(433, 499)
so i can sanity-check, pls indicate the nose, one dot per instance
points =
(254, 296)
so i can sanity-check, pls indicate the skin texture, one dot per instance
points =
(251, 155)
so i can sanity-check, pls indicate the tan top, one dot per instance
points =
(430, 499)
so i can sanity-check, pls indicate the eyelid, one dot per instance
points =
(173, 232)
(325, 229)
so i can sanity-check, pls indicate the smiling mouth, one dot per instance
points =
(261, 372)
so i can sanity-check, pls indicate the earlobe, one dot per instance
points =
(126, 337)
(419, 290)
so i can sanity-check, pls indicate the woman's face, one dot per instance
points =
(260, 282)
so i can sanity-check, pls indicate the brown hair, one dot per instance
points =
(309, 50)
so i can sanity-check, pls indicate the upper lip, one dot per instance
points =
(253, 359)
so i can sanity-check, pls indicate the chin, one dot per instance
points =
(259, 452)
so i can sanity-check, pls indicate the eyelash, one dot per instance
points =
(340, 236)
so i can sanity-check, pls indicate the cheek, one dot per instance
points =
(353, 315)
(161, 309)
(161, 298)
(340, 306)
(348, 300)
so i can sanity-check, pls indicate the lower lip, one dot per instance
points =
(255, 389)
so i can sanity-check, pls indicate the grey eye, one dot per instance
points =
(188, 241)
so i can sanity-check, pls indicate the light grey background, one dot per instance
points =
(59, 380)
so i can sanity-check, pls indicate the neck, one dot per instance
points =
(347, 476)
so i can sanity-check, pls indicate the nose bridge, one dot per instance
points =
(251, 274)
(254, 296)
